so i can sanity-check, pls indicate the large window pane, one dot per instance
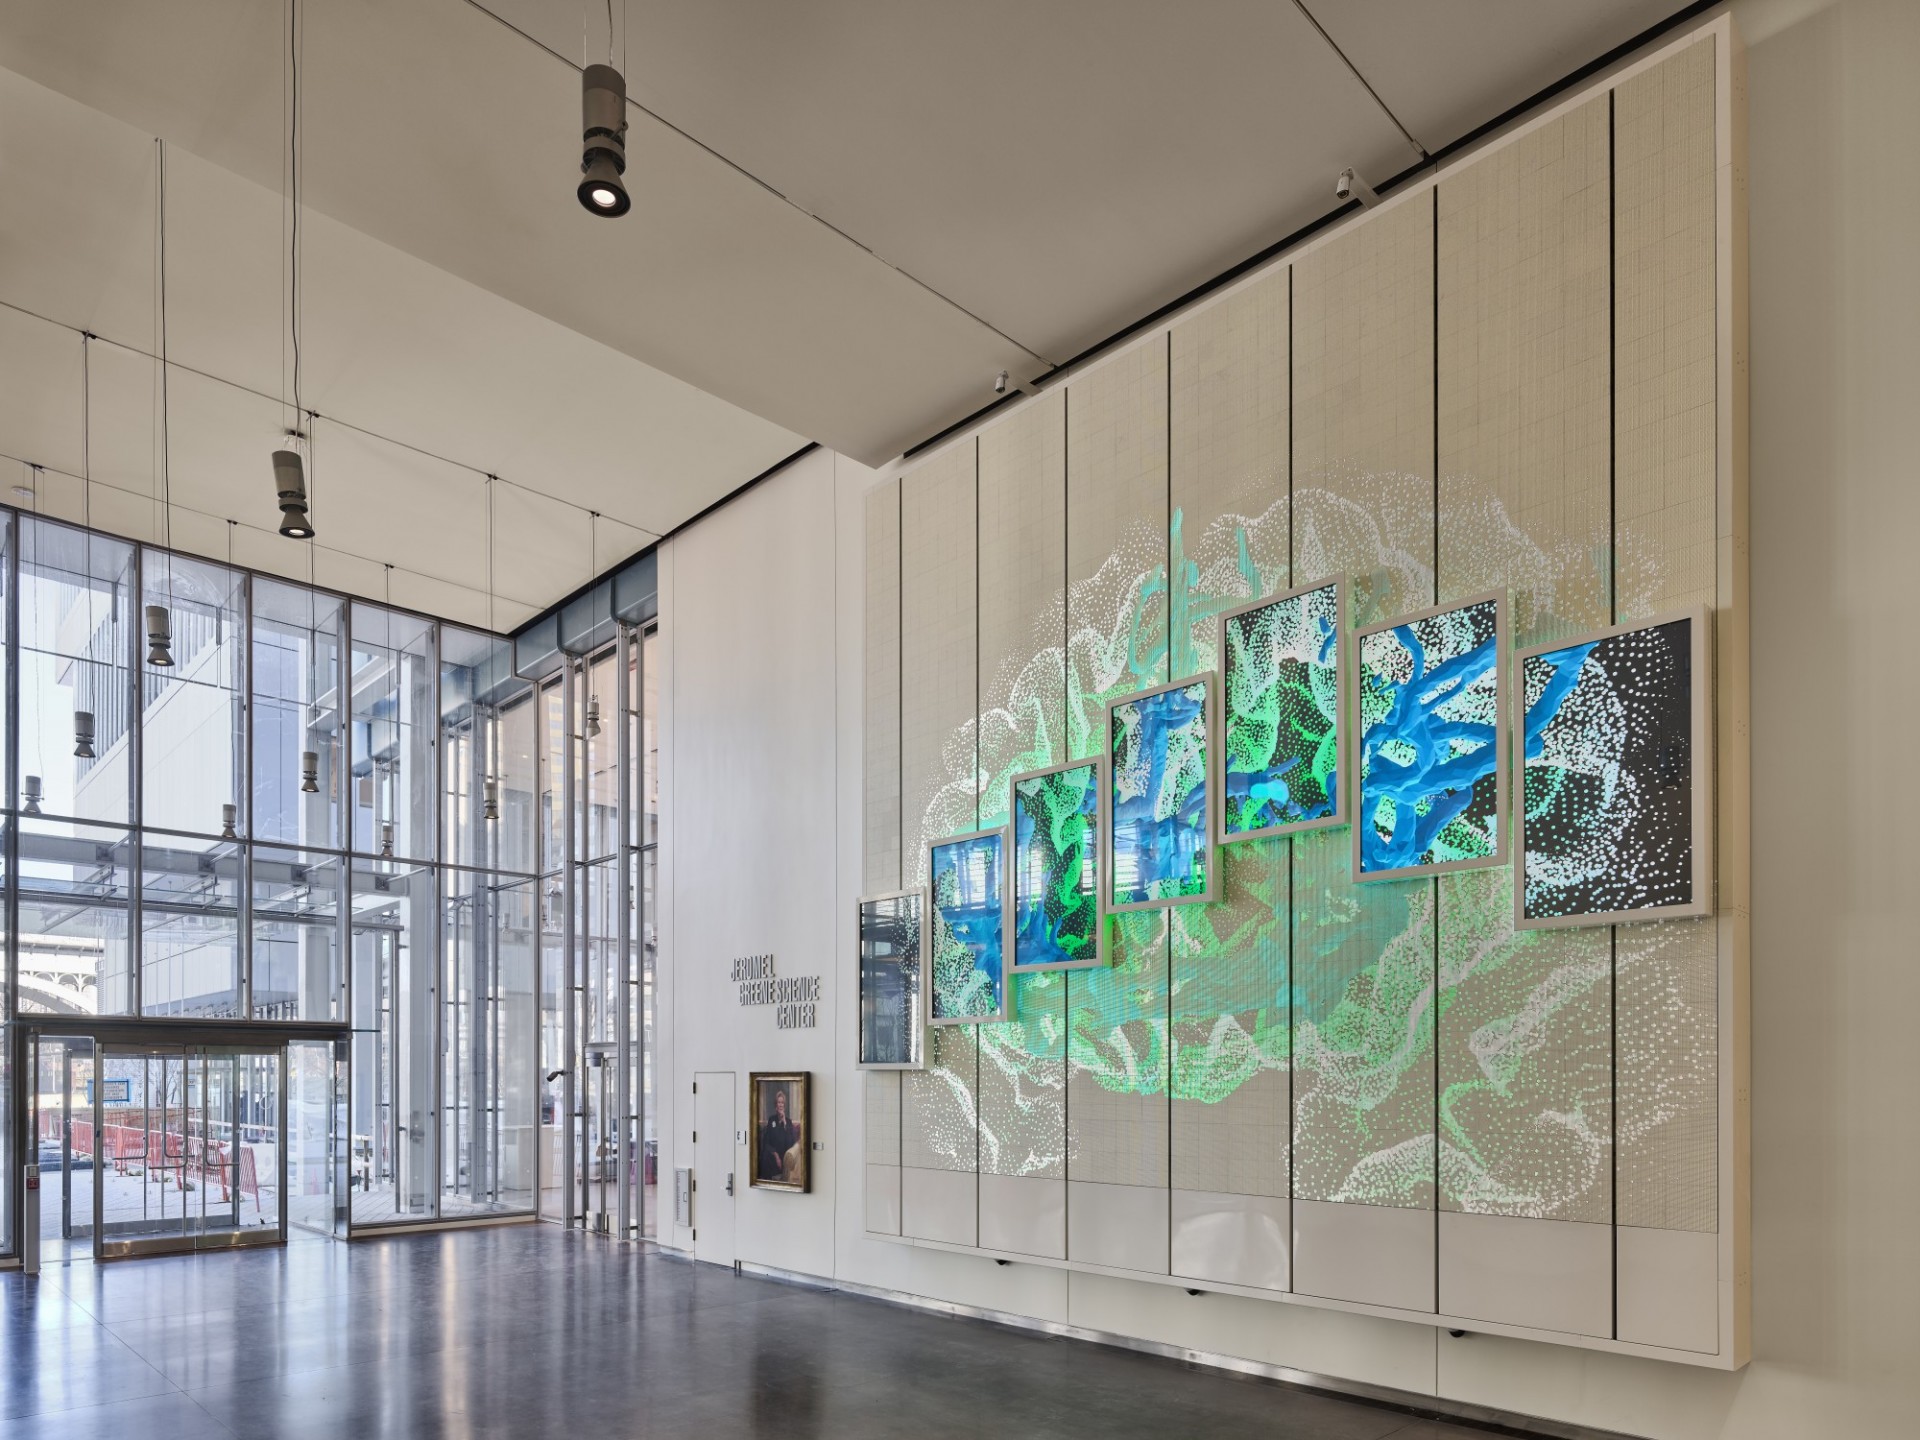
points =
(600, 744)
(553, 761)
(391, 1161)
(479, 818)
(392, 712)
(644, 1038)
(486, 1088)
(192, 719)
(76, 610)
(74, 955)
(296, 713)
(297, 973)
(189, 928)
(515, 836)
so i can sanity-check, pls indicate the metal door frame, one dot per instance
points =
(190, 1241)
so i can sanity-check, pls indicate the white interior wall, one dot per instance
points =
(762, 614)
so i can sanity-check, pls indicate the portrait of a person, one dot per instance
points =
(780, 1155)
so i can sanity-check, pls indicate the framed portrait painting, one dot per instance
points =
(782, 1132)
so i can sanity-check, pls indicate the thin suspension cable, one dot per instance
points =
(166, 435)
(294, 298)
(86, 430)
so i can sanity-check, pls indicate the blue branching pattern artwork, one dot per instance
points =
(1159, 766)
(1429, 741)
(1056, 907)
(968, 921)
(1280, 678)
(1607, 780)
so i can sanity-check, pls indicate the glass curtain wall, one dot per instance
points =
(599, 806)
(233, 797)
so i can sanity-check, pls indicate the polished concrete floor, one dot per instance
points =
(528, 1331)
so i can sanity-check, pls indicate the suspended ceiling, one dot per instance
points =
(849, 214)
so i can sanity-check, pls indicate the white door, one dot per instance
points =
(713, 1166)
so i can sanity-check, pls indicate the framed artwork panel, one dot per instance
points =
(888, 989)
(1283, 713)
(1614, 756)
(1430, 774)
(782, 1130)
(963, 938)
(1157, 843)
(1053, 897)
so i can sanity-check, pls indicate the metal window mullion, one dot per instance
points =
(436, 1026)
(244, 681)
(12, 781)
(343, 900)
(570, 1079)
(624, 653)
(136, 728)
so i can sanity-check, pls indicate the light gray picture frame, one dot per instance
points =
(927, 911)
(1701, 781)
(1211, 893)
(919, 1062)
(1503, 724)
(1010, 928)
(1342, 587)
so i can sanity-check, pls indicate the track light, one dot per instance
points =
(603, 135)
(309, 772)
(159, 636)
(83, 734)
(32, 800)
(1349, 186)
(490, 807)
(290, 487)
(228, 815)
(593, 717)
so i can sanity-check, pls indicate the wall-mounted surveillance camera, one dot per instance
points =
(1351, 187)
(1000, 383)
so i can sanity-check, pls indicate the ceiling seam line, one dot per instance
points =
(782, 196)
(180, 365)
(1365, 84)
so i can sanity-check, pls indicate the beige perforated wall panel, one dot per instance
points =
(1117, 517)
(1525, 1039)
(1664, 236)
(1023, 559)
(938, 688)
(881, 730)
(1363, 506)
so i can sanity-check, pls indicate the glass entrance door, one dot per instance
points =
(191, 1150)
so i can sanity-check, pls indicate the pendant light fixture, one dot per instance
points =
(386, 840)
(309, 772)
(159, 618)
(490, 806)
(289, 465)
(603, 135)
(31, 801)
(229, 814)
(83, 735)
(160, 635)
(592, 721)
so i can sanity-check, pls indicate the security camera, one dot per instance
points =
(1000, 383)
(603, 136)
(1350, 186)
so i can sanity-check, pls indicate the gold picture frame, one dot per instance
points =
(781, 1138)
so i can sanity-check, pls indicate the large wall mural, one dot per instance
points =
(1362, 1010)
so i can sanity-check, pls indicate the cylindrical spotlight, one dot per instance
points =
(83, 735)
(290, 487)
(603, 135)
(159, 636)
(310, 772)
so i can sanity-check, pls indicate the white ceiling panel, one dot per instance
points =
(1057, 169)
(849, 216)
(1446, 67)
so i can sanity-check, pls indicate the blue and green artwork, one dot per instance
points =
(1280, 687)
(1606, 785)
(1429, 763)
(1056, 898)
(968, 918)
(1158, 760)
